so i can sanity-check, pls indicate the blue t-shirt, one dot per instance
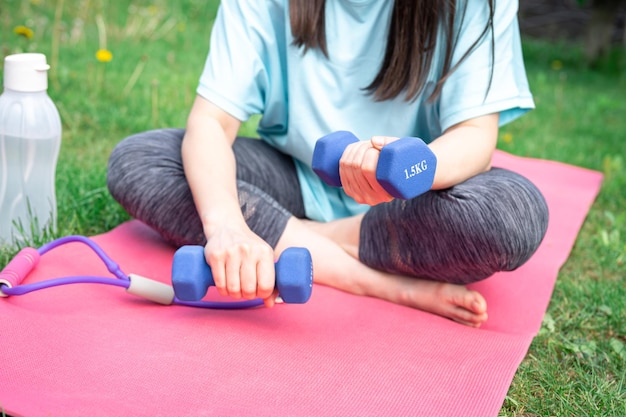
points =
(254, 68)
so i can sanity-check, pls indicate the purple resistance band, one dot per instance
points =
(12, 276)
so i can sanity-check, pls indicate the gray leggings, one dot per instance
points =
(492, 222)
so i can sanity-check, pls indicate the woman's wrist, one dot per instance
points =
(224, 216)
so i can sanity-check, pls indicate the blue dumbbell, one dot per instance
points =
(192, 277)
(406, 167)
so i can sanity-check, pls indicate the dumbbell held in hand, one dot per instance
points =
(192, 277)
(406, 167)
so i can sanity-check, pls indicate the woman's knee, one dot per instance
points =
(490, 223)
(145, 176)
(143, 158)
(512, 216)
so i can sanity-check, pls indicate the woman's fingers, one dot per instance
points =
(233, 276)
(352, 179)
(243, 268)
(357, 169)
(218, 269)
(266, 280)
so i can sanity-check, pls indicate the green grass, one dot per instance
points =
(576, 366)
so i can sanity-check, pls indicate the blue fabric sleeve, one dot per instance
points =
(464, 95)
(240, 26)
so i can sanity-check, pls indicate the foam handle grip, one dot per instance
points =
(18, 269)
(150, 289)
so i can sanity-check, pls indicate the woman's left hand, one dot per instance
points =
(357, 169)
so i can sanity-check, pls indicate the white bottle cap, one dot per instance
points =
(26, 72)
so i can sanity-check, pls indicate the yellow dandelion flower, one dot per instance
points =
(104, 55)
(557, 65)
(24, 31)
(507, 137)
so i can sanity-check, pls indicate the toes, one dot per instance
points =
(468, 307)
(463, 316)
(476, 303)
(471, 301)
(448, 300)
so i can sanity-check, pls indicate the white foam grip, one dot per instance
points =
(150, 289)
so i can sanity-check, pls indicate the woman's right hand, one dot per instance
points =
(242, 263)
(357, 169)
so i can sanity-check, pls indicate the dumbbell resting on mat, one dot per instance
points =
(191, 275)
(406, 167)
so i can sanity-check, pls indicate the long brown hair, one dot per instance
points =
(410, 44)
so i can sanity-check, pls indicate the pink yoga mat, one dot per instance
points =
(91, 350)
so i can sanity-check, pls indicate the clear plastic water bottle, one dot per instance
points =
(30, 138)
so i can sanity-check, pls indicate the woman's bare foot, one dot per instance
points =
(336, 264)
(452, 301)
